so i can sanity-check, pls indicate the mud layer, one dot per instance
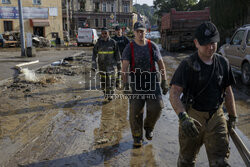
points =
(57, 121)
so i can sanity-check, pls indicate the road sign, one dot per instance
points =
(112, 16)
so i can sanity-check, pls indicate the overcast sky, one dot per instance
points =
(141, 2)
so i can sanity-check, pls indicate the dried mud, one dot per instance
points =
(56, 121)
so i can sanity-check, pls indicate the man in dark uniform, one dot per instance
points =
(122, 41)
(142, 55)
(205, 79)
(107, 51)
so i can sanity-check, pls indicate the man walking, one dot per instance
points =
(205, 79)
(107, 51)
(122, 41)
(141, 54)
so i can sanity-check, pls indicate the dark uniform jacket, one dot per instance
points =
(122, 42)
(204, 84)
(108, 55)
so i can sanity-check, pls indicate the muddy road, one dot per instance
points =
(56, 120)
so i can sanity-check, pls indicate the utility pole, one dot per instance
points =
(67, 13)
(20, 9)
(115, 11)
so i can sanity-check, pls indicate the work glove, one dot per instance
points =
(231, 122)
(188, 125)
(119, 67)
(118, 80)
(164, 86)
(94, 67)
(127, 89)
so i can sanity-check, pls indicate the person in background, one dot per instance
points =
(107, 51)
(122, 41)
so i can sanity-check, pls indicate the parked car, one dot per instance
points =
(1, 41)
(153, 35)
(86, 36)
(237, 51)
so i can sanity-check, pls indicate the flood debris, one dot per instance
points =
(29, 75)
(26, 63)
(80, 130)
(102, 141)
(57, 70)
(70, 66)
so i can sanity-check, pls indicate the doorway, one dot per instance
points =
(39, 31)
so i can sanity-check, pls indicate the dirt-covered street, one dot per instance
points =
(53, 117)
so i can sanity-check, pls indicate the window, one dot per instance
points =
(8, 25)
(96, 23)
(6, 1)
(237, 39)
(104, 23)
(125, 8)
(82, 5)
(112, 7)
(96, 7)
(125, 21)
(37, 2)
(248, 39)
(104, 7)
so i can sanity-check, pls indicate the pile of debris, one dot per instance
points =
(11, 39)
(56, 70)
(38, 41)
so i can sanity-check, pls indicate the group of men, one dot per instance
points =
(199, 86)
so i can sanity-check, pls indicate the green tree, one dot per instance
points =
(147, 11)
(226, 14)
(164, 6)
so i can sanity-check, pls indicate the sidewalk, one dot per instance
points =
(10, 57)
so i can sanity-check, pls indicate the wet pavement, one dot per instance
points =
(57, 121)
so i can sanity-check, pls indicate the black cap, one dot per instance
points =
(117, 27)
(139, 26)
(207, 33)
(105, 29)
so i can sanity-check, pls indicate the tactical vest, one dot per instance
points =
(194, 69)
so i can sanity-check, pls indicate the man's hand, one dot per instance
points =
(127, 89)
(188, 125)
(231, 122)
(164, 86)
(118, 80)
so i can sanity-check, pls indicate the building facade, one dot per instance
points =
(41, 17)
(97, 14)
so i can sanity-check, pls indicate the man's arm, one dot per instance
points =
(175, 100)
(162, 69)
(125, 65)
(229, 102)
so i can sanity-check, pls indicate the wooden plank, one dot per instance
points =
(240, 147)
(28, 63)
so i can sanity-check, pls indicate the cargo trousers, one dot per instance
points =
(108, 82)
(213, 133)
(136, 110)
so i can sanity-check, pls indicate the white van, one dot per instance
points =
(86, 36)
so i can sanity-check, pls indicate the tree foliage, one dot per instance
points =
(226, 14)
(147, 11)
(164, 6)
